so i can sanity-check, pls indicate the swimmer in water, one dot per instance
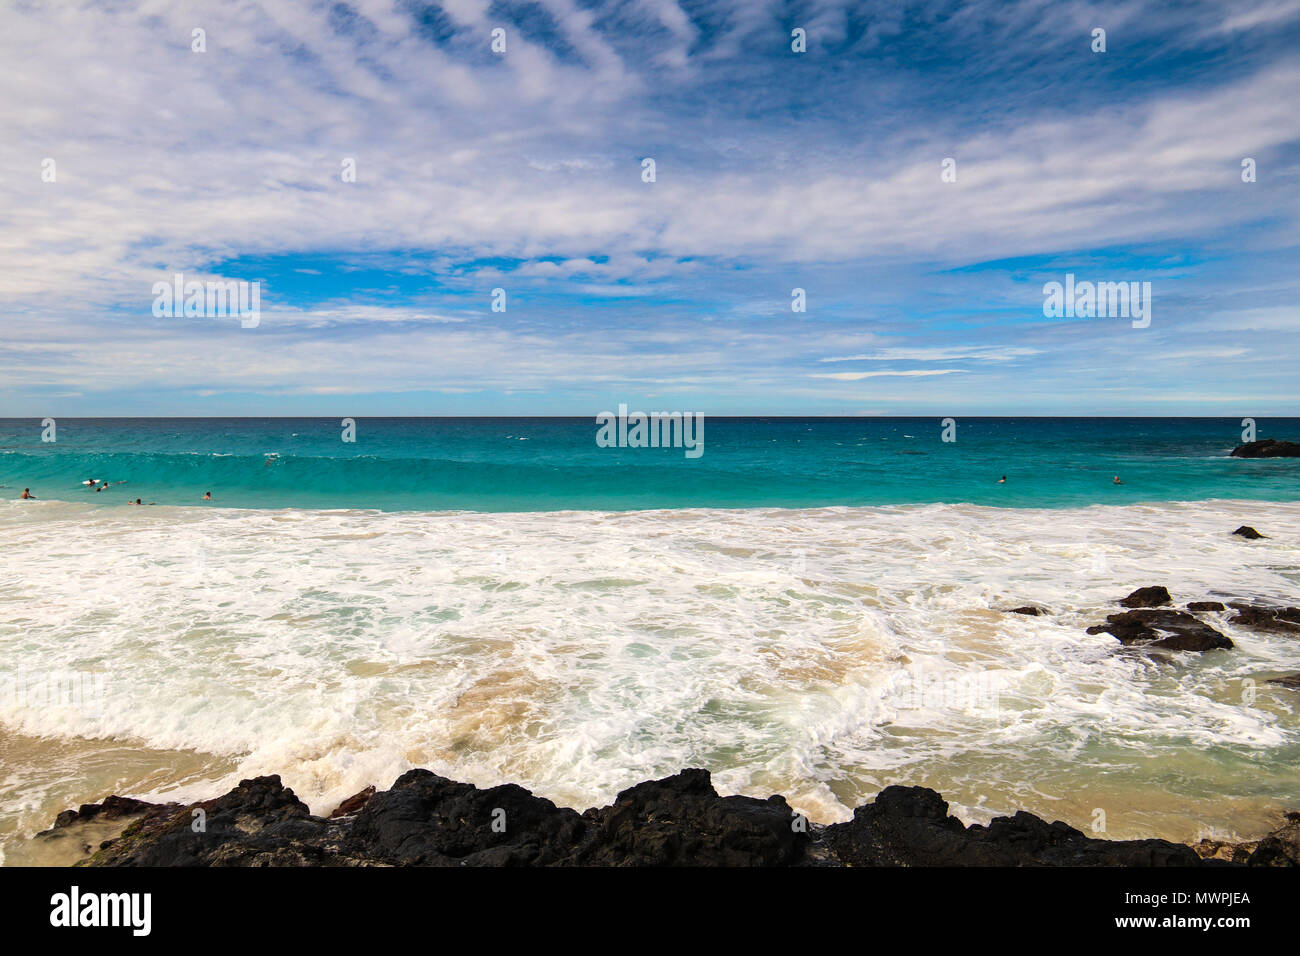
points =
(207, 496)
(1117, 481)
(27, 493)
(1002, 480)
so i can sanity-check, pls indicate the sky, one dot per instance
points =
(128, 156)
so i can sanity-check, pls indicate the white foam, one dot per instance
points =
(815, 652)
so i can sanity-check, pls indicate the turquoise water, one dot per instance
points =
(541, 464)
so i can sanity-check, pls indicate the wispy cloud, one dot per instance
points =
(981, 353)
(523, 171)
(910, 373)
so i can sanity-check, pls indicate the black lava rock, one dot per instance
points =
(1148, 597)
(910, 826)
(428, 820)
(1281, 620)
(681, 821)
(1267, 448)
(1162, 628)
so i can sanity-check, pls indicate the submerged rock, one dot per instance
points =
(112, 808)
(1280, 848)
(1162, 628)
(1029, 609)
(1246, 531)
(1148, 597)
(1222, 850)
(1267, 448)
(1284, 620)
(1290, 680)
(1206, 606)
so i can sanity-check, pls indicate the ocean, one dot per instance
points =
(554, 464)
(815, 607)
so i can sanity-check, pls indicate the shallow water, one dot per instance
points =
(820, 653)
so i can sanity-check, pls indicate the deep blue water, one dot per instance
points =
(527, 464)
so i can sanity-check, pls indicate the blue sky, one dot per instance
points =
(775, 170)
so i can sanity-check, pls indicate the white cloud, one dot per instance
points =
(186, 158)
(170, 160)
(910, 373)
(982, 353)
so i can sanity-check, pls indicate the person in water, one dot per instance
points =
(1002, 480)
(207, 496)
(27, 493)
(1117, 481)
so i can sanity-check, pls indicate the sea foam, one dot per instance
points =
(820, 653)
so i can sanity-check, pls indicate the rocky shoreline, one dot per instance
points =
(428, 820)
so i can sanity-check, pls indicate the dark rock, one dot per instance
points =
(1029, 609)
(353, 803)
(1206, 606)
(425, 819)
(1148, 597)
(259, 823)
(1228, 852)
(1281, 847)
(429, 820)
(1291, 680)
(1283, 620)
(112, 808)
(910, 826)
(681, 821)
(1246, 531)
(1267, 448)
(1162, 628)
